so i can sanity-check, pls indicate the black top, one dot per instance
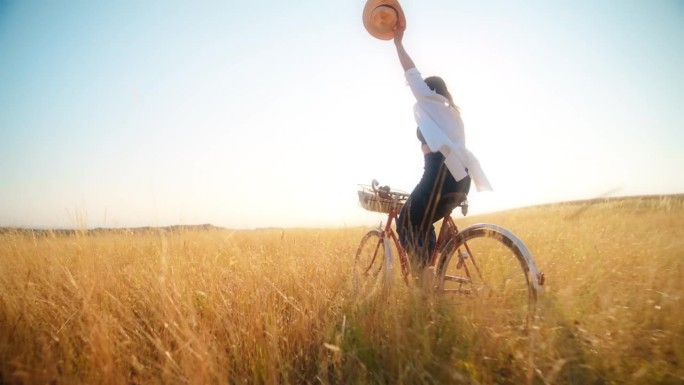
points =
(420, 136)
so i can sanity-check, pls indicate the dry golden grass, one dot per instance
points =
(276, 307)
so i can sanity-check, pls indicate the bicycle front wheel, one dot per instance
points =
(491, 266)
(369, 264)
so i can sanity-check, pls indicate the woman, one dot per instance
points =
(449, 166)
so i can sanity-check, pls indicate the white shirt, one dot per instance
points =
(442, 128)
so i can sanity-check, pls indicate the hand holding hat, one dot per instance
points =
(382, 18)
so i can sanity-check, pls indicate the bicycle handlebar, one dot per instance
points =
(386, 191)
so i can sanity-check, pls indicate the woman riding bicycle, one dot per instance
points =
(449, 166)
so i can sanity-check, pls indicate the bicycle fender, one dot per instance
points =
(389, 266)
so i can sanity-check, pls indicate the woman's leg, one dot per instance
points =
(450, 186)
(417, 240)
(415, 224)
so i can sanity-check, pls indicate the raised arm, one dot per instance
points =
(404, 57)
(415, 80)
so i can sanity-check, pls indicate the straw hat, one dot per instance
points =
(380, 17)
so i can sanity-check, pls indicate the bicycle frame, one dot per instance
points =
(447, 231)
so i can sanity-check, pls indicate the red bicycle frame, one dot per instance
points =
(447, 231)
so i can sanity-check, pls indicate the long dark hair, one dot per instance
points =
(438, 85)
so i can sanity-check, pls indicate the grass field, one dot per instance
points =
(205, 306)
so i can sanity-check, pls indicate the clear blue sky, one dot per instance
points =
(251, 114)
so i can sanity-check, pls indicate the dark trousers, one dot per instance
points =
(425, 206)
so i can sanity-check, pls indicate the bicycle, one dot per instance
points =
(482, 261)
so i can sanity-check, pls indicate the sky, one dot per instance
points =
(250, 114)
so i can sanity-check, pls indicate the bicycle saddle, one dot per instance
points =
(453, 200)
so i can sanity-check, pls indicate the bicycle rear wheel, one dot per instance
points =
(369, 264)
(491, 267)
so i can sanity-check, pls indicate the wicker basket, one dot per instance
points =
(371, 200)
